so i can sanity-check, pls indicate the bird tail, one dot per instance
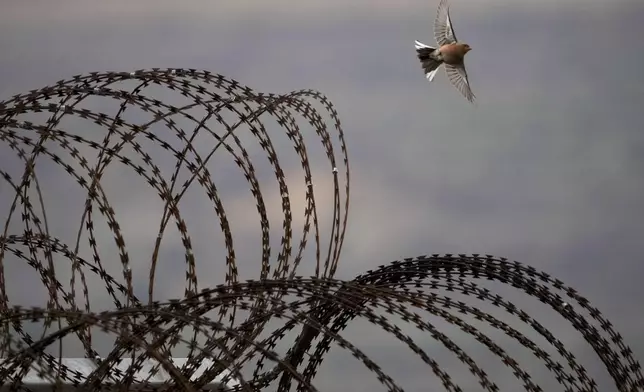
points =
(429, 62)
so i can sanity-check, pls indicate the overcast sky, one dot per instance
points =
(545, 169)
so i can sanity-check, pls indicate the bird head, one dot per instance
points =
(466, 47)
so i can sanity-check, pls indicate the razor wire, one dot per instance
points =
(320, 307)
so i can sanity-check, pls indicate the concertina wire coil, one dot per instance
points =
(321, 306)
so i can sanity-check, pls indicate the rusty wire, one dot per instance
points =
(321, 305)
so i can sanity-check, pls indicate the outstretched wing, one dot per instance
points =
(457, 75)
(443, 30)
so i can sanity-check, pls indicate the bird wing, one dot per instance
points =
(457, 75)
(443, 30)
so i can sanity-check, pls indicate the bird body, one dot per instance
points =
(453, 54)
(450, 53)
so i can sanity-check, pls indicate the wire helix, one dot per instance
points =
(231, 324)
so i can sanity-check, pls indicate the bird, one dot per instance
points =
(450, 53)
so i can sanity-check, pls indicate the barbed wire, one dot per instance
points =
(208, 322)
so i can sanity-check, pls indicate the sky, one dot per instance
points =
(545, 168)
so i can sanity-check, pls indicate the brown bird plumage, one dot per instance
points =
(450, 53)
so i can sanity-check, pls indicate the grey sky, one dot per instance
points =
(546, 169)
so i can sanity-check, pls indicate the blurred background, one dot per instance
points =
(547, 168)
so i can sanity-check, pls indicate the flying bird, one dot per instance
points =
(450, 53)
